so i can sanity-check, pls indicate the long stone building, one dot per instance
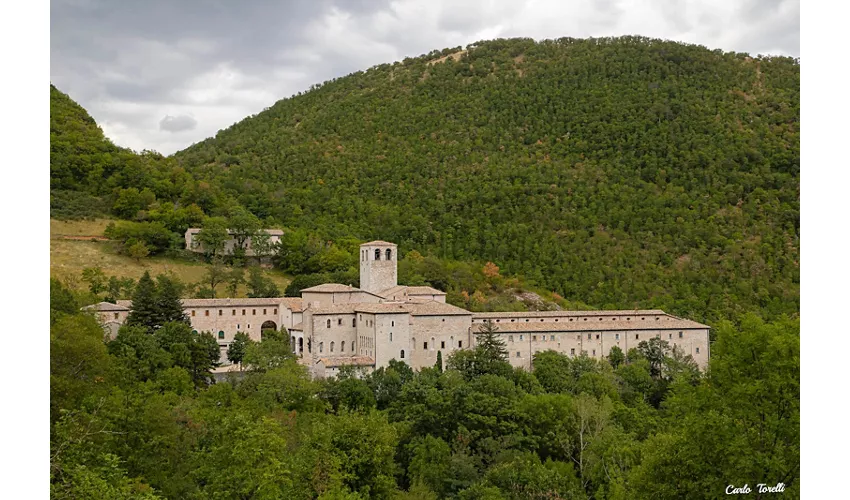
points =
(334, 325)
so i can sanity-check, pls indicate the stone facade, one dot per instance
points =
(334, 325)
(193, 245)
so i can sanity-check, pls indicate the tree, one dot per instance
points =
(616, 356)
(270, 353)
(655, 350)
(138, 251)
(235, 277)
(216, 274)
(259, 285)
(236, 349)
(244, 226)
(213, 236)
(490, 343)
(439, 364)
(169, 304)
(96, 279)
(261, 245)
(144, 311)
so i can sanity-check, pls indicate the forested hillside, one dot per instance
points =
(620, 172)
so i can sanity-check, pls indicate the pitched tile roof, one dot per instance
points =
(593, 324)
(293, 303)
(331, 288)
(558, 314)
(106, 306)
(378, 242)
(434, 308)
(346, 360)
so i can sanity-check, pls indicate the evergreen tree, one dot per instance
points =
(491, 345)
(439, 364)
(144, 310)
(169, 305)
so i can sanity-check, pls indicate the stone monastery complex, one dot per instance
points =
(334, 325)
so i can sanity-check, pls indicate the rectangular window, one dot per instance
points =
(115, 316)
(193, 312)
(510, 338)
(442, 344)
(617, 336)
(339, 322)
(234, 313)
(207, 312)
(221, 335)
(588, 336)
(518, 354)
(697, 350)
(243, 312)
(253, 312)
(597, 336)
(264, 312)
(594, 352)
(680, 334)
(520, 337)
(425, 345)
(551, 337)
(460, 344)
(572, 352)
(274, 311)
(220, 312)
(637, 336)
(534, 337)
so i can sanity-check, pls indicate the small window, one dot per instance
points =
(572, 352)
(588, 336)
(193, 312)
(597, 336)
(680, 335)
(617, 336)
(253, 312)
(697, 350)
(551, 337)
(460, 344)
(444, 320)
(352, 346)
(520, 337)
(264, 312)
(571, 319)
(321, 346)
(510, 338)
(391, 336)
(115, 315)
(401, 355)
(243, 312)
(497, 321)
(556, 320)
(332, 347)
(339, 322)
(600, 319)
(353, 322)
(392, 323)
(220, 312)
(670, 336)
(234, 313)
(512, 321)
(526, 320)
(442, 343)
(342, 346)
(637, 336)
(220, 334)
(518, 354)
(238, 326)
(534, 337)
(206, 312)
(594, 352)
(274, 311)
(389, 254)
(377, 254)
(329, 323)
(425, 345)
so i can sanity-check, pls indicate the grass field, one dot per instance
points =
(68, 258)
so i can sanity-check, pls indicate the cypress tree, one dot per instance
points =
(439, 365)
(143, 311)
(169, 305)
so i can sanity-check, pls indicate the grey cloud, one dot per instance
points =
(177, 123)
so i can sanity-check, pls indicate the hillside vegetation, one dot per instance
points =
(621, 172)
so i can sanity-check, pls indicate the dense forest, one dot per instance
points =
(602, 173)
(621, 172)
(135, 417)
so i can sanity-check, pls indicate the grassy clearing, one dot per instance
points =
(68, 258)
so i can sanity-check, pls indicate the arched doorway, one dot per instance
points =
(269, 325)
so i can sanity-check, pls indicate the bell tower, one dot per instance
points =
(378, 266)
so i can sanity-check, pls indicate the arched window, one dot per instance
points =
(389, 254)
(432, 343)
(221, 334)
(377, 254)
(353, 322)
(402, 354)
(342, 346)
(413, 343)
(332, 347)
(321, 346)
(329, 323)
(391, 336)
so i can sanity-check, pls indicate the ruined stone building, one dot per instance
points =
(334, 325)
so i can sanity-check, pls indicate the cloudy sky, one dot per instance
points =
(163, 74)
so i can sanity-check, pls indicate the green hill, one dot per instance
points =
(621, 172)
